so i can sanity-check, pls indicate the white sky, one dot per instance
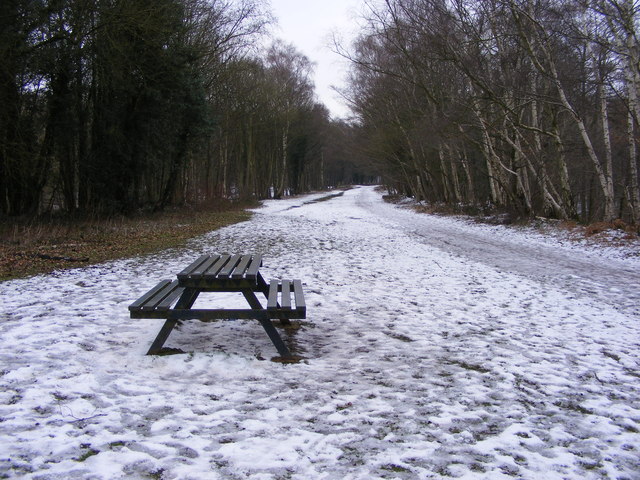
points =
(308, 24)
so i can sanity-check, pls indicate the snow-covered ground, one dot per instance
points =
(434, 349)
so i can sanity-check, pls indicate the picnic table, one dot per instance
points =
(173, 300)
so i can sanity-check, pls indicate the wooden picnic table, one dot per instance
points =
(173, 300)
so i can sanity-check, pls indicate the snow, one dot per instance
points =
(434, 348)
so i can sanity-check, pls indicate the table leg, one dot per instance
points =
(254, 303)
(157, 344)
(263, 286)
(187, 299)
(275, 338)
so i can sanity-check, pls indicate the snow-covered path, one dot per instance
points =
(424, 360)
(582, 272)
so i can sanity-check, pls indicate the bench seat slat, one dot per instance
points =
(299, 295)
(272, 300)
(154, 301)
(242, 267)
(285, 302)
(165, 304)
(282, 294)
(143, 299)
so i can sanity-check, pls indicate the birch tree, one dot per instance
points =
(532, 90)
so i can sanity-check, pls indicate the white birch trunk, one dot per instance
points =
(608, 166)
(471, 194)
(491, 160)
(634, 188)
(552, 72)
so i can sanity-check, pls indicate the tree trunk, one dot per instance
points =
(609, 212)
(282, 181)
(634, 189)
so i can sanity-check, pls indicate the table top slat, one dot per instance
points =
(240, 270)
(215, 268)
(229, 266)
(252, 271)
(193, 266)
(204, 266)
(272, 299)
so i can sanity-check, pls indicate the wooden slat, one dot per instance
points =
(229, 266)
(285, 303)
(299, 295)
(153, 302)
(210, 314)
(142, 300)
(242, 267)
(219, 314)
(165, 304)
(272, 299)
(215, 268)
(204, 266)
(193, 266)
(255, 264)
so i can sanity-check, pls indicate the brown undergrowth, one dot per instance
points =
(33, 246)
(615, 233)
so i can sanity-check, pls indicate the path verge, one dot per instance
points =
(33, 247)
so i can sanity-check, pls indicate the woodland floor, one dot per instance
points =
(34, 246)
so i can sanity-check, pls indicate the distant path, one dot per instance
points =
(610, 281)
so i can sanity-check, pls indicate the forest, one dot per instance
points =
(529, 106)
(115, 106)
(112, 106)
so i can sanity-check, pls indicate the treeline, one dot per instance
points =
(528, 105)
(117, 105)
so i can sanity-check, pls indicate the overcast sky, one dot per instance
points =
(308, 24)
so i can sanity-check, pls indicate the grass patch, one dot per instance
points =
(33, 246)
(612, 356)
(573, 406)
(470, 366)
(157, 474)
(293, 359)
(165, 351)
(88, 454)
(392, 467)
(398, 336)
